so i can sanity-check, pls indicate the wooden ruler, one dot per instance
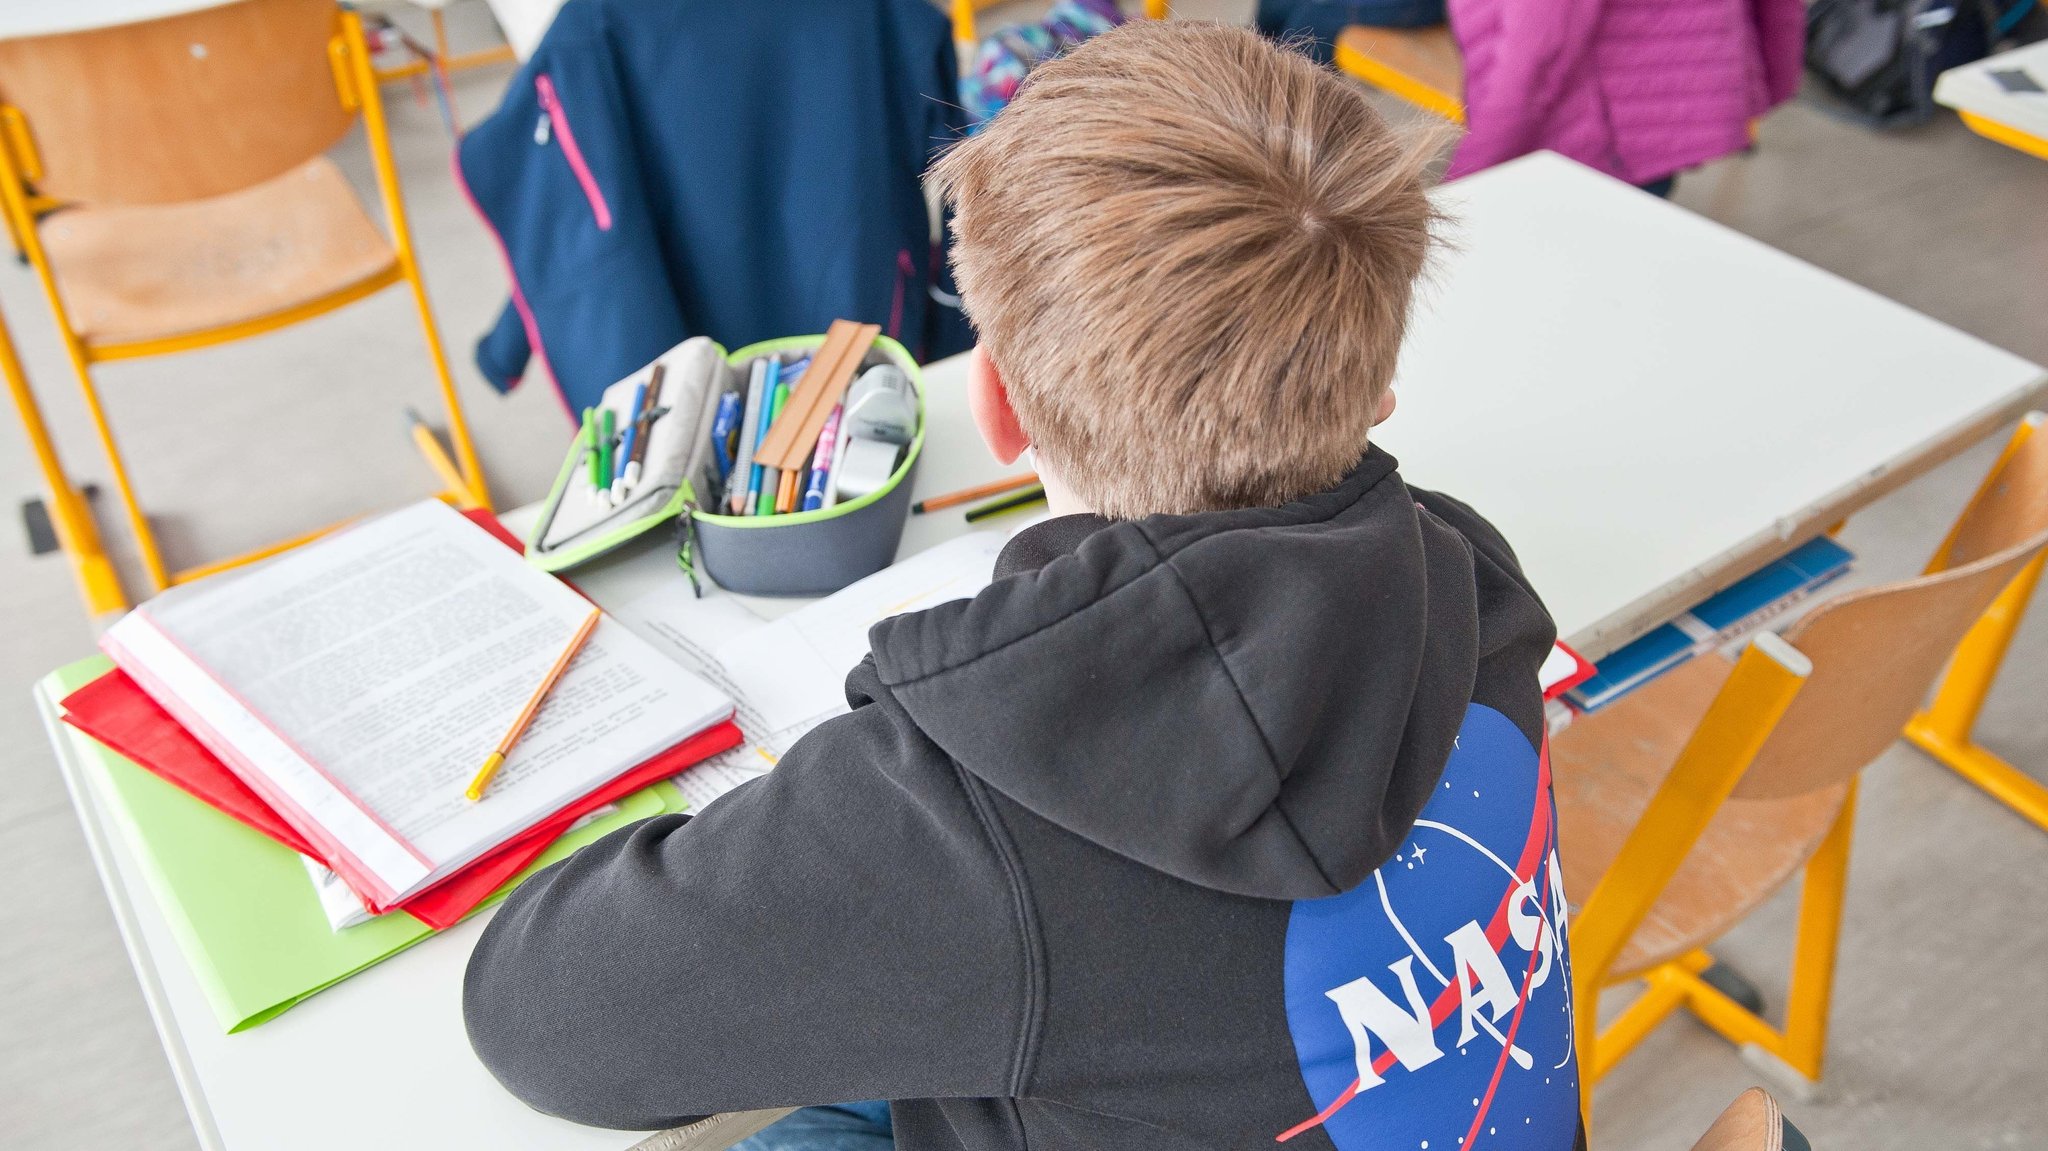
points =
(795, 431)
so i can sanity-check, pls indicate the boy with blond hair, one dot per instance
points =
(1222, 816)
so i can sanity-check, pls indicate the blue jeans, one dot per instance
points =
(842, 1127)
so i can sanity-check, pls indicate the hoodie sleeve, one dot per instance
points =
(842, 929)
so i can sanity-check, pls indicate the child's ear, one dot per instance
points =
(989, 401)
(1386, 408)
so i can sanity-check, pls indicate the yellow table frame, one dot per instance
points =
(2005, 134)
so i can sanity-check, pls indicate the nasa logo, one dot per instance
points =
(1431, 1005)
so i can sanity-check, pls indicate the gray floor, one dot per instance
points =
(1941, 1014)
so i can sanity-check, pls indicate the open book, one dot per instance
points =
(357, 684)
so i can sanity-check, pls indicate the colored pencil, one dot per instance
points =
(643, 425)
(496, 759)
(743, 473)
(1009, 484)
(1011, 503)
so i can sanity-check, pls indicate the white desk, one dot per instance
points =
(525, 22)
(1643, 401)
(21, 18)
(2016, 119)
(1651, 405)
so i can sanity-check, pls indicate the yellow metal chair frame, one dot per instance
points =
(497, 54)
(1943, 730)
(77, 534)
(1363, 53)
(965, 36)
(20, 167)
(1765, 680)
(1992, 556)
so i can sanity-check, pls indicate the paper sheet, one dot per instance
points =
(344, 908)
(689, 629)
(788, 675)
(385, 662)
(792, 672)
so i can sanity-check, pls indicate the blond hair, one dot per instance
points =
(1189, 253)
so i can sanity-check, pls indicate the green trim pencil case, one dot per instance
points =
(809, 553)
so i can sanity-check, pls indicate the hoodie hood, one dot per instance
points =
(1257, 701)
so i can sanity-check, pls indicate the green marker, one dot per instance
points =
(772, 481)
(602, 477)
(590, 445)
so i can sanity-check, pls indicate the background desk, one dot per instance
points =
(1646, 403)
(48, 17)
(2015, 119)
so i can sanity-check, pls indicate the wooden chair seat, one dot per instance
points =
(1420, 65)
(1606, 766)
(142, 272)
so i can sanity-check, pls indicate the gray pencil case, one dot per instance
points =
(816, 552)
(809, 553)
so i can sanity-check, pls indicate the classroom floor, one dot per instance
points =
(1940, 1029)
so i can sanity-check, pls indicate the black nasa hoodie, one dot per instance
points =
(1188, 832)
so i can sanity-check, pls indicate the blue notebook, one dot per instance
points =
(1713, 623)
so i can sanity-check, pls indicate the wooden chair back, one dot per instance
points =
(178, 108)
(1876, 652)
(2011, 505)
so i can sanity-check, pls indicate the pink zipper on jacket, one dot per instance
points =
(558, 119)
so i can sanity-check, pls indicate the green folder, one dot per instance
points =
(240, 903)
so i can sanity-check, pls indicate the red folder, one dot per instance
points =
(114, 710)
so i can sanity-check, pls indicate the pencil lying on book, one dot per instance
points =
(496, 759)
(1024, 498)
(965, 494)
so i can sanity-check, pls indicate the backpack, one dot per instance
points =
(1878, 59)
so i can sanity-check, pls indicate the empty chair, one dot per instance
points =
(1686, 805)
(169, 184)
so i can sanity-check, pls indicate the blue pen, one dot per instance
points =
(625, 452)
(773, 377)
(723, 425)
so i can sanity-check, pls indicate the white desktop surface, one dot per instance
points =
(1650, 405)
(19, 18)
(1639, 398)
(1970, 88)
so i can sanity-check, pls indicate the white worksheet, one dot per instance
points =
(788, 675)
(358, 683)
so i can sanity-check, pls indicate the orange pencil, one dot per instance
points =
(526, 714)
(787, 493)
(965, 494)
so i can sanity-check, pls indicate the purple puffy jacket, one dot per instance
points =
(1639, 89)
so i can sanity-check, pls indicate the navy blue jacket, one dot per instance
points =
(668, 168)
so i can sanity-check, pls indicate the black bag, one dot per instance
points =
(1878, 59)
